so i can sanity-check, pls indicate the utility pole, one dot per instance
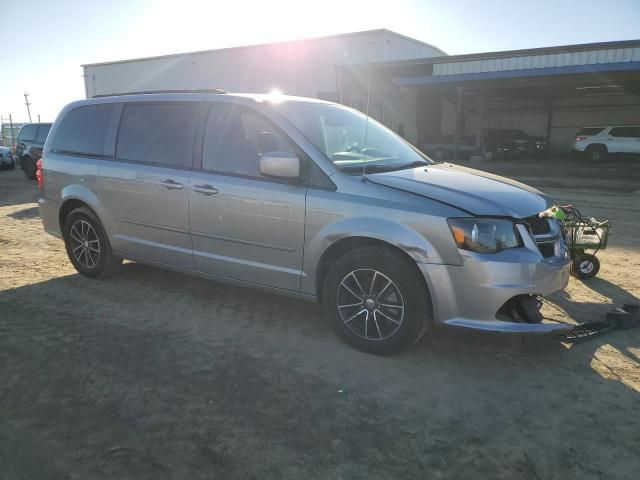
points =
(38, 118)
(13, 135)
(26, 102)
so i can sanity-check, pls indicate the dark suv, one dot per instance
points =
(29, 146)
(511, 142)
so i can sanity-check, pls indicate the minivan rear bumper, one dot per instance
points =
(49, 216)
(471, 294)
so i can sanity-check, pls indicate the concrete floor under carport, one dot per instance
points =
(554, 107)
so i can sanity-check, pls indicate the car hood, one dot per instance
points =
(474, 191)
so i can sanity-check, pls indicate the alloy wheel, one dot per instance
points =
(370, 304)
(85, 245)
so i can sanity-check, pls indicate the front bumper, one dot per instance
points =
(471, 294)
(49, 214)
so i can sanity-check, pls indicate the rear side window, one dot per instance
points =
(624, 132)
(43, 131)
(28, 134)
(158, 133)
(83, 130)
(589, 131)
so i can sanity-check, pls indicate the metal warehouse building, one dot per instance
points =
(414, 88)
(305, 67)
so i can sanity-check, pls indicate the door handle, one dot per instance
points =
(205, 189)
(171, 184)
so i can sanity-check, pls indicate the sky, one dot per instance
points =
(44, 60)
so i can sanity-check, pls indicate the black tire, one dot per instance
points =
(596, 153)
(377, 265)
(29, 167)
(585, 266)
(89, 263)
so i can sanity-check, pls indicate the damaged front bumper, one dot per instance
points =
(477, 293)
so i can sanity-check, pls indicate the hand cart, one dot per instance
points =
(584, 234)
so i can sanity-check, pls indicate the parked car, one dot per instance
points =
(29, 146)
(6, 159)
(445, 148)
(597, 142)
(511, 142)
(291, 196)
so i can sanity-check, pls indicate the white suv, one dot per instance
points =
(597, 142)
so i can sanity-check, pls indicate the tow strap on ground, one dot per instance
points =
(620, 318)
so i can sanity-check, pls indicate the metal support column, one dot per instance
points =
(458, 122)
(549, 120)
(480, 129)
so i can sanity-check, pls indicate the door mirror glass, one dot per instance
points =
(280, 166)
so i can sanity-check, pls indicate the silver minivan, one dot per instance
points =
(301, 197)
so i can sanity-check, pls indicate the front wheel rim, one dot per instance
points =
(370, 305)
(84, 243)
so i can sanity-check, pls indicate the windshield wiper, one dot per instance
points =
(375, 168)
(415, 164)
(382, 167)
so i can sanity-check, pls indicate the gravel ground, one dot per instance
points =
(157, 375)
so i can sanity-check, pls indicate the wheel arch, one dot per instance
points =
(349, 244)
(75, 196)
(598, 145)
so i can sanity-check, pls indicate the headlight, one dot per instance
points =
(484, 235)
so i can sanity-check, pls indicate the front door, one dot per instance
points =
(145, 189)
(243, 225)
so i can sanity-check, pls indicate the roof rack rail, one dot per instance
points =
(193, 90)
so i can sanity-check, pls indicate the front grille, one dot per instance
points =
(539, 226)
(546, 249)
(546, 233)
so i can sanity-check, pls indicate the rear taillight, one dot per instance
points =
(39, 175)
(579, 139)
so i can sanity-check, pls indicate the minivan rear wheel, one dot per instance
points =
(87, 245)
(376, 301)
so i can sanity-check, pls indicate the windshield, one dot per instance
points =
(518, 134)
(345, 137)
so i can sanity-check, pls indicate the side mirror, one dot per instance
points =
(280, 165)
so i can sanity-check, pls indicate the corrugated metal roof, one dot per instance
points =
(527, 62)
(539, 51)
(517, 73)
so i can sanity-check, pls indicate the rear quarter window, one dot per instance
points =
(83, 130)
(28, 134)
(590, 131)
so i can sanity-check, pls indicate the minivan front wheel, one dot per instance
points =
(376, 301)
(87, 245)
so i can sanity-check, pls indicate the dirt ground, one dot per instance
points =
(157, 375)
